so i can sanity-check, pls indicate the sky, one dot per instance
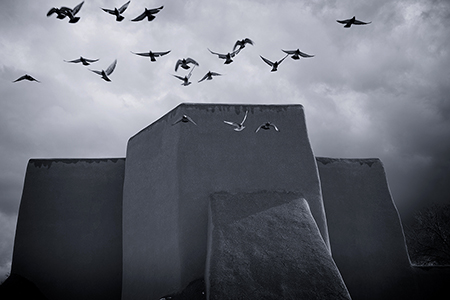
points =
(380, 90)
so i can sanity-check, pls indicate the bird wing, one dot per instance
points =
(20, 78)
(52, 11)
(161, 53)
(275, 127)
(218, 54)
(245, 117)
(155, 10)
(112, 12)
(141, 54)
(90, 60)
(267, 61)
(179, 77)
(214, 74)
(290, 52)
(260, 126)
(179, 62)
(190, 73)
(111, 67)
(357, 22)
(231, 123)
(140, 17)
(238, 43)
(190, 120)
(74, 61)
(190, 60)
(96, 72)
(235, 52)
(302, 54)
(77, 8)
(248, 41)
(204, 77)
(283, 59)
(124, 7)
(343, 21)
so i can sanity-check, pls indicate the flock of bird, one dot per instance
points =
(185, 63)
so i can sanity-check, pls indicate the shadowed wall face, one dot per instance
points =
(366, 235)
(172, 170)
(69, 236)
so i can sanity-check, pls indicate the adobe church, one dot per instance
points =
(198, 210)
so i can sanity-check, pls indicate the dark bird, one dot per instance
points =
(275, 64)
(84, 61)
(108, 71)
(66, 12)
(184, 63)
(209, 76)
(26, 77)
(151, 54)
(349, 22)
(238, 126)
(185, 79)
(266, 126)
(296, 54)
(117, 11)
(241, 43)
(149, 13)
(227, 56)
(185, 119)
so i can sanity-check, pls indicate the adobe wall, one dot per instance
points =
(366, 235)
(171, 171)
(68, 237)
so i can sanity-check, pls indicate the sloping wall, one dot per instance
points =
(171, 171)
(366, 235)
(69, 237)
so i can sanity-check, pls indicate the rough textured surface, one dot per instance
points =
(171, 171)
(366, 235)
(262, 248)
(69, 236)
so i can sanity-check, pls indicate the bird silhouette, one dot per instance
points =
(64, 11)
(266, 126)
(275, 64)
(185, 119)
(184, 63)
(227, 56)
(238, 126)
(296, 54)
(149, 13)
(108, 71)
(349, 22)
(151, 54)
(209, 76)
(26, 77)
(241, 43)
(117, 11)
(185, 79)
(84, 61)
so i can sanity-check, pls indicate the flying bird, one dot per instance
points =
(296, 54)
(209, 76)
(227, 56)
(117, 11)
(349, 22)
(275, 64)
(84, 61)
(184, 63)
(151, 54)
(185, 119)
(185, 79)
(64, 11)
(238, 126)
(241, 43)
(149, 13)
(108, 71)
(266, 126)
(26, 77)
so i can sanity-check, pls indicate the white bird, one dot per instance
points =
(209, 76)
(296, 54)
(185, 119)
(184, 63)
(238, 126)
(275, 64)
(185, 79)
(149, 13)
(117, 11)
(152, 54)
(266, 126)
(108, 71)
(84, 61)
(227, 56)
(349, 22)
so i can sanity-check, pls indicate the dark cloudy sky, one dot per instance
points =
(380, 90)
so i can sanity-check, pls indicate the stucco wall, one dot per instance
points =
(172, 170)
(366, 235)
(69, 237)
